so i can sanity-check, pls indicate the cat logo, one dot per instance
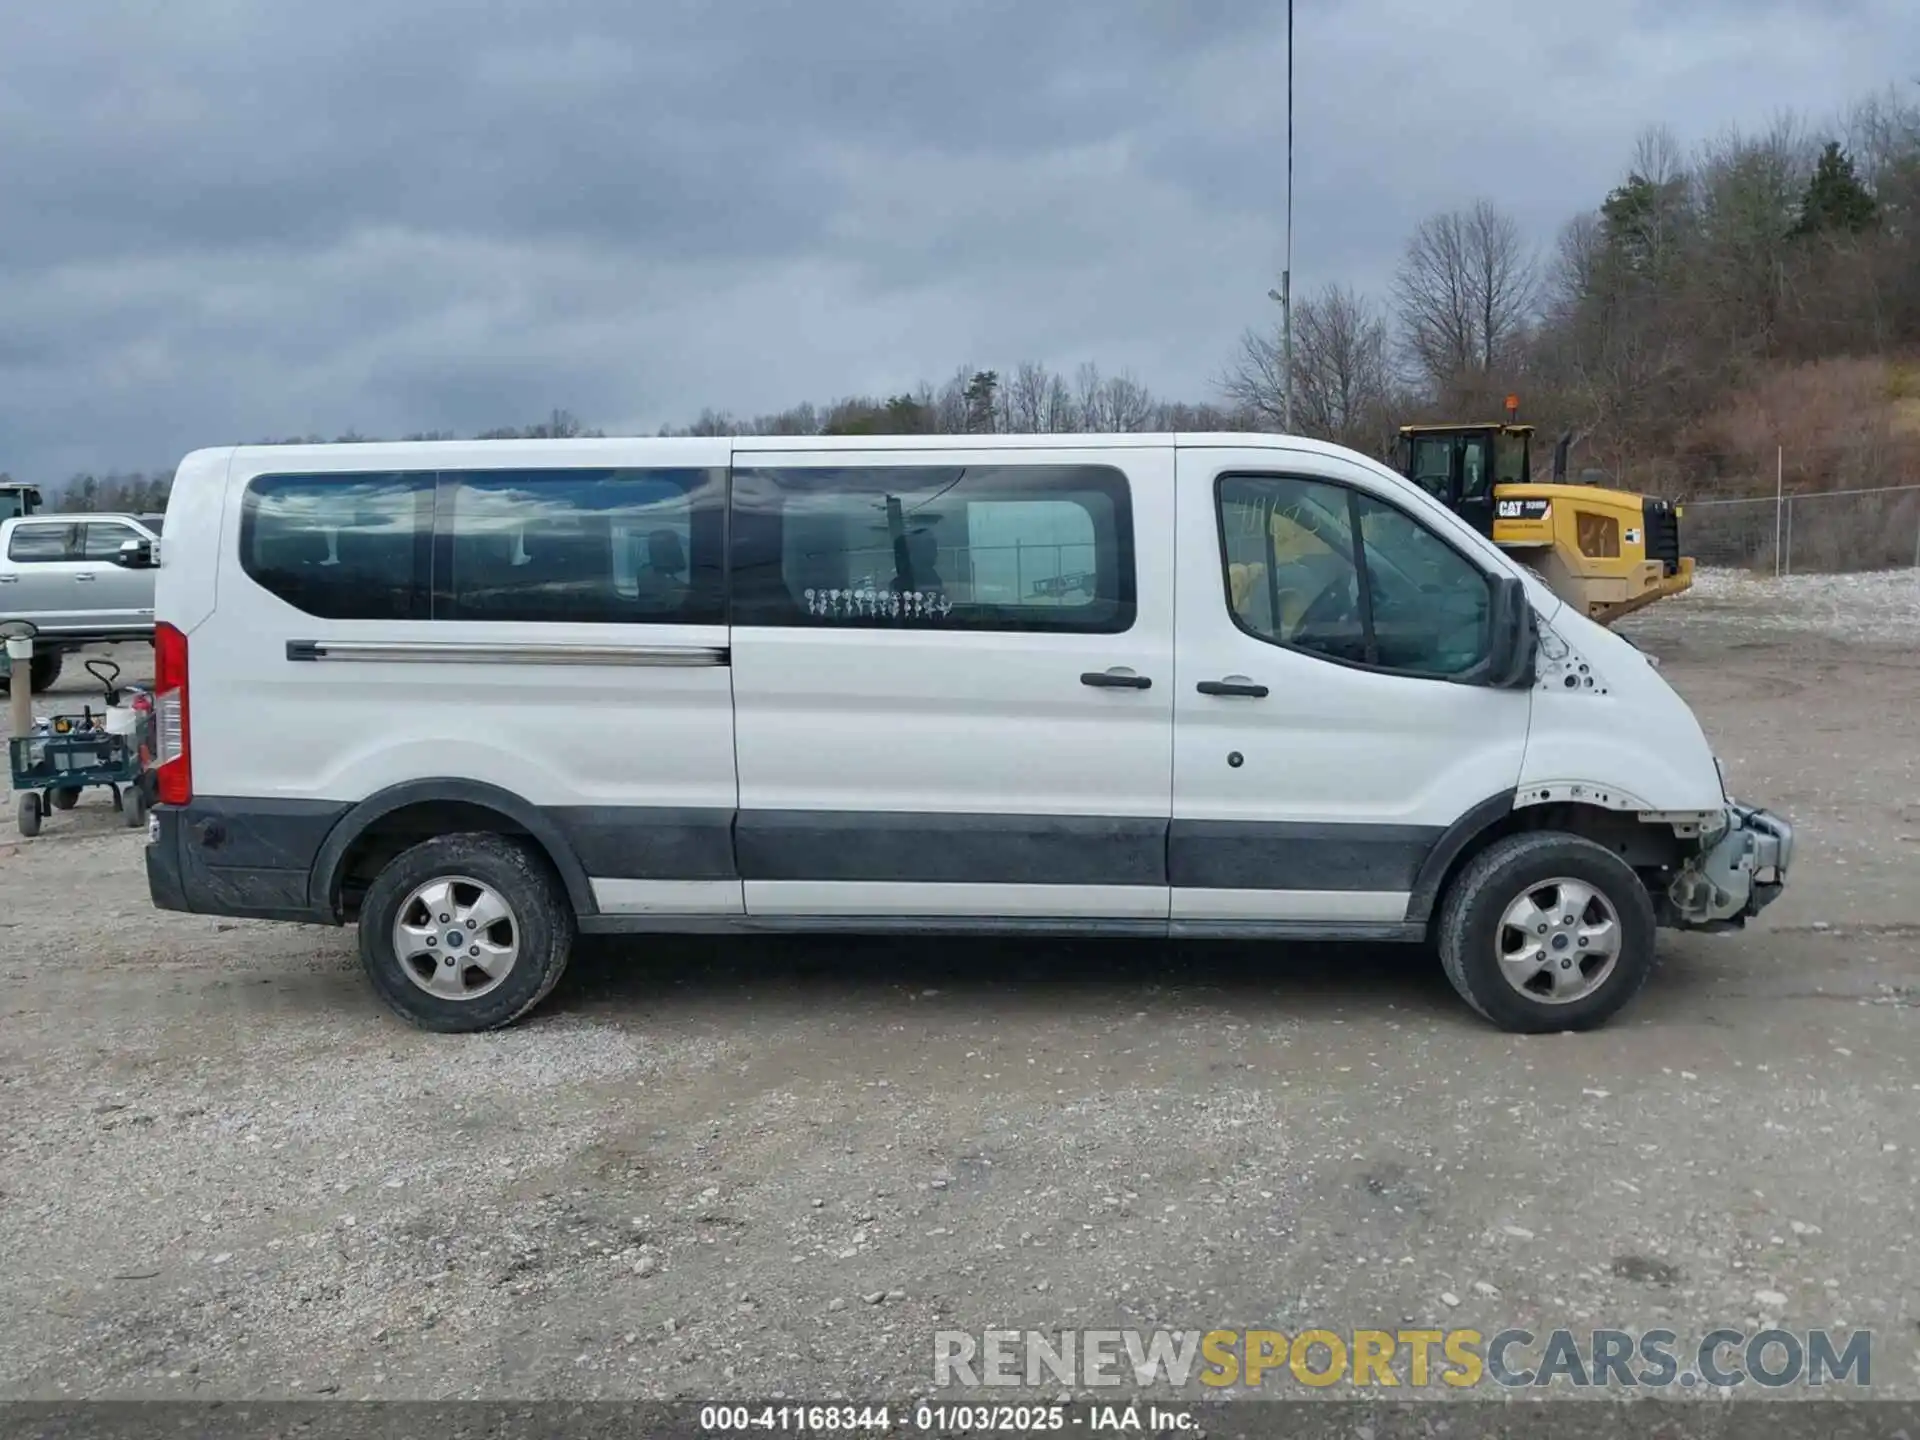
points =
(1523, 509)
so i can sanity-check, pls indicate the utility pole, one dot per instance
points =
(1285, 293)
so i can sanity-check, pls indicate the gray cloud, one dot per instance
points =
(227, 218)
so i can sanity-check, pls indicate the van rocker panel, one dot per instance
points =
(932, 848)
(623, 842)
(1257, 855)
(283, 858)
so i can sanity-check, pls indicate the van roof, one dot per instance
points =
(75, 516)
(443, 452)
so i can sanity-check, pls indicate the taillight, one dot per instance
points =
(173, 763)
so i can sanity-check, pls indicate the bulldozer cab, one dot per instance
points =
(1606, 552)
(1459, 465)
(17, 500)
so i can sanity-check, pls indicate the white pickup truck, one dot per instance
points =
(81, 579)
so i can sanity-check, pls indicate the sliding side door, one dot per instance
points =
(953, 683)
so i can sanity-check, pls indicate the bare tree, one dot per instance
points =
(1465, 293)
(1182, 416)
(559, 425)
(1256, 381)
(1883, 133)
(950, 405)
(1025, 397)
(1126, 405)
(1341, 375)
(802, 419)
(1058, 415)
(1579, 256)
(1749, 195)
(1111, 404)
(1087, 384)
(1503, 283)
(1657, 156)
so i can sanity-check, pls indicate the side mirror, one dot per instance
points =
(135, 554)
(1515, 635)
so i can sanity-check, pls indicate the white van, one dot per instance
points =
(477, 697)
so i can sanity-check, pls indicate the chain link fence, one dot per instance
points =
(1871, 529)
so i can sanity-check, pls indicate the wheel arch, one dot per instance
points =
(473, 805)
(1645, 847)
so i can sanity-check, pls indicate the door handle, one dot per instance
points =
(8, 579)
(85, 579)
(1233, 687)
(1115, 680)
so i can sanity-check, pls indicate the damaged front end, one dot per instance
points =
(1736, 871)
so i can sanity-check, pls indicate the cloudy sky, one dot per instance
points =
(227, 219)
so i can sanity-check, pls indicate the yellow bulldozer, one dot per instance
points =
(1609, 552)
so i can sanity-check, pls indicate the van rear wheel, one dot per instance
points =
(465, 932)
(1547, 931)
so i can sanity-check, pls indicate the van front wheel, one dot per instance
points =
(1547, 931)
(465, 932)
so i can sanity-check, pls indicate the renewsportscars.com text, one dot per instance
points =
(1410, 1358)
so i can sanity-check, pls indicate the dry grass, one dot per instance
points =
(1903, 399)
(1840, 424)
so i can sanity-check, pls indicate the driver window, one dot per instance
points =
(1290, 570)
(103, 542)
(1430, 603)
(1418, 607)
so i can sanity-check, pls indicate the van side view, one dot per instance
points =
(479, 697)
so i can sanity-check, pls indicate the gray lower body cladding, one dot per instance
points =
(279, 859)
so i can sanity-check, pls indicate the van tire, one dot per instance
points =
(1471, 929)
(542, 920)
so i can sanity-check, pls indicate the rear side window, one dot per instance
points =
(342, 547)
(41, 543)
(563, 546)
(987, 547)
(582, 546)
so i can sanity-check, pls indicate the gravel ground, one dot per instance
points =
(734, 1168)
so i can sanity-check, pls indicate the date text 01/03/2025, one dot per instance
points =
(963, 1417)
